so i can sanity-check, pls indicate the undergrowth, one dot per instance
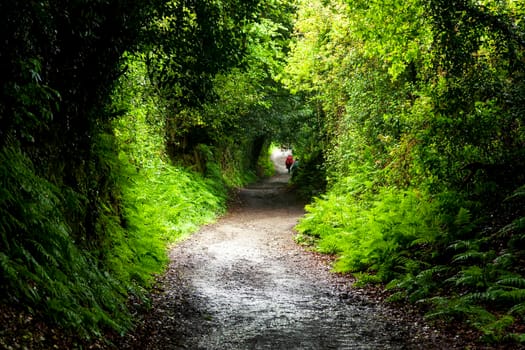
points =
(85, 291)
(41, 265)
(161, 206)
(427, 250)
(80, 279)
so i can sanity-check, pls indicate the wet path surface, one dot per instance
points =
(243, 283)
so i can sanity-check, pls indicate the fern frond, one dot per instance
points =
(397, 296)
(445, 308)
(514, 295)
(514, 281)
(471, 255)
(497, 295)
(505, 261)
(422, 241)
(429, 274)
(476, 297)
(519, 192)
(516, 225)
(6, 265)
(463, 217)
(464, 245)
(518, 309)
(472, 276)
(43, 252)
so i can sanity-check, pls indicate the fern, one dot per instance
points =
(501, 296)
(474, 256)
(518, 309)
(471, 277)
(9, 272)
(496, 331)
(497, 296)
(458, 309)
(398, 296)
(515, 281)
(464, 245)
(516, 225)
(518, 193)
(423, 284)
(446, 309)
(432, 273)
(505, 261)
(41, 266)
(463, 217)
(43, 252)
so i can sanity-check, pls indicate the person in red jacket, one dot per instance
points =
(289, 162)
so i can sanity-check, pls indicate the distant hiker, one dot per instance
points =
(289, 162)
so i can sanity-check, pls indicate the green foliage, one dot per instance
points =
(86, 292)
(381, 233)
(40, 264)
(189, 42)
(173, 201)
(161, 206)
(265, 165)
(309, 176)
(161, 202)
(420, 114)
(59, 198)
(249, 107)
(82, 225)
(399, 238)
(410, 113)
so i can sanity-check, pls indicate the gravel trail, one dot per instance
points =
(243, 283)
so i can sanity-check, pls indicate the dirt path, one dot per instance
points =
(242, 283)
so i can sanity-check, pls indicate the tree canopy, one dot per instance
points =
(407, 117)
